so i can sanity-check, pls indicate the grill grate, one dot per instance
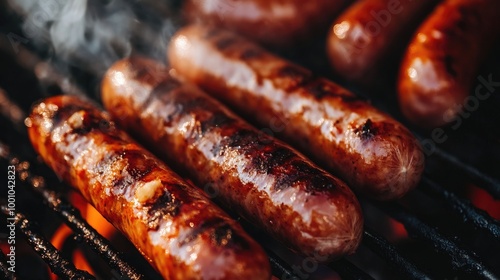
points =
(59, 265)
(462, 259)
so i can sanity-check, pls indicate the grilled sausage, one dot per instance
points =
(276, 23)
(442, 61)
(175, 225)
(368, 31)
(259, 177)
(369, 149)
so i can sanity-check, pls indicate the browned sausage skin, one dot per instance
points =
(368, 31)
(442, 61)
(259, 177)
(172, 223)
(373, 152)
(277, 23)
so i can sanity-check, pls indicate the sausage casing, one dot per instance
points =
(257, 176)
(374, 153)
(442, 61)
(276, 23)
(177, 228)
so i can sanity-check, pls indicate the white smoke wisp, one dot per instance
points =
(91, 34)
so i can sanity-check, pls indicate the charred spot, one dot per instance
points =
(218, 119)
(225, 236)
(220, 233)
(241, 138)
(292, 71)
(224, 43)
(165, 205)
(271, 157)
(250, 53)
(139, 166)
(108, 160)
(319, 89)
(367, 131)
(448, 62)
(314, 179)
(201, 228)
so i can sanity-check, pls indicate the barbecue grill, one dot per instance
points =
(438, 231)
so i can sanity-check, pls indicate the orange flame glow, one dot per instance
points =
(94, 218)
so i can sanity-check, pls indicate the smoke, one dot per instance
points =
(92, 34)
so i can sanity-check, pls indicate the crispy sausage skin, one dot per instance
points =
(177, 228)
(369, 149)
(442, 61)
(276, 23)
(259, 177)
(368, 31)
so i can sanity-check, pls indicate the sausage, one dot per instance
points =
(368, 31)
(274, 23)
(260, 178)
(175, 225)
(443, 59)
(371, 151)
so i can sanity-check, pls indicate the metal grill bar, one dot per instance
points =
(349, 271)
(462, 207)
(59, 265)
(4, 267)
(383, 248)
(461, 259)
(72, 217)
(491, 185)
(486, 182)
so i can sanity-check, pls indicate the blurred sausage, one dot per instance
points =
(276, 23)
(442, 61)
(368, 31)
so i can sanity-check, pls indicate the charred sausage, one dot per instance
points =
(177, 228)
(276, 23)
(442, 61)
(259, 177)
(373, 152)
(368, 31)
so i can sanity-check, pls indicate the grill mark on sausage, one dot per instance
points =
(250, 53)
(217, 120)
(138, 166)
(221, 234)
(225, 236)
(270, 157)
(295, 73)
(166, 204)
(319, 89)
(298, 171)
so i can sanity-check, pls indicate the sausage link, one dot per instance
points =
(442, 61)
(368, 31)
(374, 153)
(275, 23)
(177, 228)
(259, 177)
